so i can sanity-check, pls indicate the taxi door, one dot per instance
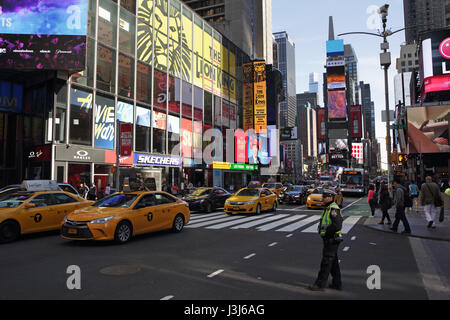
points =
(143, 214)
(165, 211)
(265, 200)
(42, 217)
(64, 204)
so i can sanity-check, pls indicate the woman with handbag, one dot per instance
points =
(385, 203)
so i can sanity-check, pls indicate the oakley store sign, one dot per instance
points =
(79, 154)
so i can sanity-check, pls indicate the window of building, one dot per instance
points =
(126, 76)
(105, 68)
(217, 112)
(107, 22)
(144, 82)
(127, 32)
(86, 77)
(208, 108)
(80, 128)
(143, 128)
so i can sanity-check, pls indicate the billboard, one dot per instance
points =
(337, 108)
(338, 144)
(428, 129)
(335, 48)
(260, 97)
(258, 149)
(336, 77)
(321, 128)
(358, 152)
(43, 35)
(355, 122)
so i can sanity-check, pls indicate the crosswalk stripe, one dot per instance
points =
(258, 222)
(280, 222)
(232, 223)
(207, 223)
(204, 216)
(298, 225)
(349, 223)
(312, 229)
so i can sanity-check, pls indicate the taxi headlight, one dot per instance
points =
(101, 220)
(248, 202)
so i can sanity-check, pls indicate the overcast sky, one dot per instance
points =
(306, 23)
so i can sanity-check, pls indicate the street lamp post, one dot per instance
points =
(385, 62)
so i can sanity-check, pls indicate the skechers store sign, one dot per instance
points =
(156, 160)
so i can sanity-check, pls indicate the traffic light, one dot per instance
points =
(402, 158)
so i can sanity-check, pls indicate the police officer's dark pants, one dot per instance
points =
(401, 216)
(329, 264)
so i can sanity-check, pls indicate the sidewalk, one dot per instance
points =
(417, 222)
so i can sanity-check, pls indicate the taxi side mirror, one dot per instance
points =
(30, 205)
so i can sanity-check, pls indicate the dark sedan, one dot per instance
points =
(295, 194)
(207, 199)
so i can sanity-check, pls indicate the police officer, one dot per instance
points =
(330, 226)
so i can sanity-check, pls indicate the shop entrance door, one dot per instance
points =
(156, 174)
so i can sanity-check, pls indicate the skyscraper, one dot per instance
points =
(247, 23)
(368, 111)
(351, 69)
(423, 15)
(314, 82)
(286, 64)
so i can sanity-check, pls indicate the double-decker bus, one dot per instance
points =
(354, 181)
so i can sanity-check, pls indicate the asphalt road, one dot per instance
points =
(215, 257)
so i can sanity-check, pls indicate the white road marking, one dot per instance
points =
(289, 235)
(207, 223)
(346, 249)
(215, 273)
(250, 256)
(298, 225)
(167, 298)
(205, 215)
(232, 223)
(280, 222)
(351, 204)
(255, 223)
(353, 238)
(349, 223)
(273, 244)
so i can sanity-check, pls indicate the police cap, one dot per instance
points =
(328, 193)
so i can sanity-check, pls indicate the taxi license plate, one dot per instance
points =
(72, 231)
(236, 208)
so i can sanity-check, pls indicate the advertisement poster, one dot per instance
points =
(337, 109)
(336, 77)
(44, 34)
(355, 122)
(104, 131)
(186, 138)
(428, 129)
(321, 134)
(240, 145)
(258, 149)
(125, 112)
(260, 97)
(126, 139)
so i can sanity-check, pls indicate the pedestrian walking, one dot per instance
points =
(399, 203)
(385, 203)
(371, 199)
(92, 193)
(330, 229)
(430, 198)
(108, 190)
(414, 192)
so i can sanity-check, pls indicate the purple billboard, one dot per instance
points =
(43, 34)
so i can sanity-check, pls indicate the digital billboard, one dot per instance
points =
(258, 149)
(43, 34)
(428, 129)
(336, 77)
(355, 122)
(335, 48)
(337, 108)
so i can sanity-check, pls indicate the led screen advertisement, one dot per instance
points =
(43, 34)
(355, 122)
(428, 129)
(337, 108)
(258, 149)
(336, 77)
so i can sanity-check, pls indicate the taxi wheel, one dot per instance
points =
(178, 223)
(209, 208)
(258, 209)
(275, 206)
(123, 232)
(9, 231)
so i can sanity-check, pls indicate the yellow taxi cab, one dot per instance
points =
(123, 215)
(251, 200)
(25, 212)
(275, 187)
(315, 199)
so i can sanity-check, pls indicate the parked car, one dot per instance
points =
(207, 199)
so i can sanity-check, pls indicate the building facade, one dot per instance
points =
(155, 71)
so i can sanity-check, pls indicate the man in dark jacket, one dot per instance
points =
(330, 226)
(399, 203)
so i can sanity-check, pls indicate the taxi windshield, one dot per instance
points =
(201, 192)
(317, 191)
(248, 193)
(269, 185)
(295, 189)
(14, 200)
(123, 200)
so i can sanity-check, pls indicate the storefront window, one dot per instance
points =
(86, 77)
(187, 100)
(143, 127)
(173, 126)
(126, 32)
(126, 76)
(105, 69)
(217, 112)
(160, 90)
(102, 178)
(107, 22)
(144, 83)
(159, 125)
(80, 129)
(174, 95)
(225, 114)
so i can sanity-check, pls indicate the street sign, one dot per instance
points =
(383, 115)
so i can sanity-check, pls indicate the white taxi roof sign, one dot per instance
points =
(40, 185)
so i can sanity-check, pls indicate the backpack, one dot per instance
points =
(407, 200)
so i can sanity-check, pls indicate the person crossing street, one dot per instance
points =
(330, 229)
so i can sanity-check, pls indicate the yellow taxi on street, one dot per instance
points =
(25, 212)
(275, 187)
(123, 215)
(315, 199)
(251, 200)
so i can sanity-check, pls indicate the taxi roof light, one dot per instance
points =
(40, 185)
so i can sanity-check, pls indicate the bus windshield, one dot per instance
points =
(356, 179)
